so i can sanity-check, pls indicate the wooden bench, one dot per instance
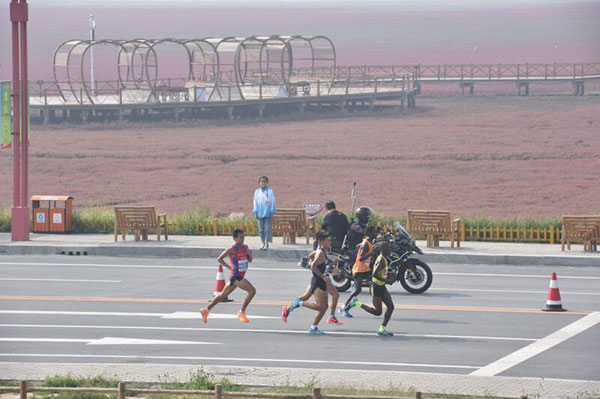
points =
(290, 222)
(140, 220)
(434, 224)
(581, 228)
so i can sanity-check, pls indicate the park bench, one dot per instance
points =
(434, 224)
(140, 220)
(290, 222)
(581, 228)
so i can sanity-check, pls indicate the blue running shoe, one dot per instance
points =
(295, 304)
(315, 331)
(344, 312)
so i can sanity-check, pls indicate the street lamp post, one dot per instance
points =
(92, 23)
(20, 129)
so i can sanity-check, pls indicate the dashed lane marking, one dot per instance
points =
(252, 330)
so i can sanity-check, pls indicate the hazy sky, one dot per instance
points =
(371, 4)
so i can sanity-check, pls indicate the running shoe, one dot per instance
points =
(204, 314)
(295, 305)
(285, 313)
(344, 312)
(334, 320)
(383, 332)
(354, 302)
(315, 331)
(242, 316)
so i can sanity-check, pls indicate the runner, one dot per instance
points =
(379, 292)
(331, 290)
(318, 284)
(362, 267)
(239, 255)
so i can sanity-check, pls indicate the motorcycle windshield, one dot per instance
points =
(403, 233)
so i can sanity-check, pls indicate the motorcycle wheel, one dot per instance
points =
(419, 281)
(341, 283)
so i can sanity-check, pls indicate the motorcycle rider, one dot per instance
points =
(361, 271)
(357, 230)
(336, 224)
(378, 291)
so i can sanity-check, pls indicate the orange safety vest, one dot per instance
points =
(362, 267)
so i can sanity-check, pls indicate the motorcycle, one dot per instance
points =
(414, 275)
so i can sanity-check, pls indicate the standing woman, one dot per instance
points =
(264, 208)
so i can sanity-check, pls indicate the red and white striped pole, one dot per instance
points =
(20, 132)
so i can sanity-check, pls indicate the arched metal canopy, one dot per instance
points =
(225, 68)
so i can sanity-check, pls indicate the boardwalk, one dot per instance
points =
(351, 87)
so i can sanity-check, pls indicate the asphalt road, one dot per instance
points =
(139, 310)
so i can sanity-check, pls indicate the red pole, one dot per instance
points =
(20, 210)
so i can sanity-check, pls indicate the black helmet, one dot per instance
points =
(364, 213)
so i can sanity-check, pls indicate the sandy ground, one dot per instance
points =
(498, 156)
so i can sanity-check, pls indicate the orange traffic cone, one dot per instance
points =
(220, 284)
(554, 304)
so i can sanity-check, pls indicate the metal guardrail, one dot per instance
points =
(122, 391)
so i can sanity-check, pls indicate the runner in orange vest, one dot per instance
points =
(362, 267)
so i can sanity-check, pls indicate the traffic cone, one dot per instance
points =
(220, 284)
(554, 304)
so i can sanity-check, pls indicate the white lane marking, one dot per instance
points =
(515, 275)
(140, 341)
(238, 359)
(539, 346)
(197, 315)
(52, 340)
(108, 341)
(174, 315)
(511, 291)
(250, 330)
(57, 280)
(289, 269)
(108, 265)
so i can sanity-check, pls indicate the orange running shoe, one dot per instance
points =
(204, 314)
(284, 314)
(334, 320)
(242, 317)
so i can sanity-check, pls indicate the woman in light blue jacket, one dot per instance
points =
(264, 208)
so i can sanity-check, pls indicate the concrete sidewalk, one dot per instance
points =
(456, 384)
(471, 252)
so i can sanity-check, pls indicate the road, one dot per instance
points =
(146, 310)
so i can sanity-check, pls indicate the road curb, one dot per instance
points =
(173, 251)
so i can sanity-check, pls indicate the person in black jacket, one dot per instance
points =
(335, 223)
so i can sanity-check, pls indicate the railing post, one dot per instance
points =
(347, 85)
(121, 390)
(582, 70)
(260, 91)
(317, 393)
(461, 73)
(574, 71)
(45, 96)
(527, 70)
(81, 96)
(229, 93)
(195, 95)
(375, 85)
(518, 71)
(545, 71)
(490, 71)
(120, 95)
(218, 391)
(445, 75)
(551, 234)
(499, 71)
(417, 395)
(23, 389)
(318, 88)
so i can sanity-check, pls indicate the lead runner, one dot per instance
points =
(240, 255)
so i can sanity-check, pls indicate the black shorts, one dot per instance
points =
(377, 291)
(317, 282)
(363, 276)
(233, 279)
